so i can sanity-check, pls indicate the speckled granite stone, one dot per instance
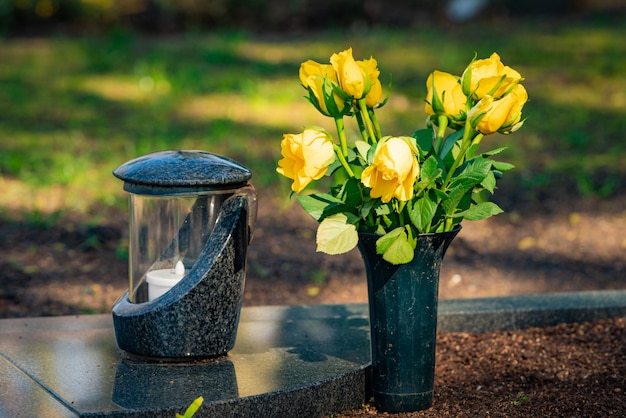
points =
(198, 317)
(166, 171)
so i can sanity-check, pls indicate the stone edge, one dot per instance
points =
(526, 311)
(484, 314)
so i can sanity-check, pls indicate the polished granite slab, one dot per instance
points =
(288, 361)
(300, 361)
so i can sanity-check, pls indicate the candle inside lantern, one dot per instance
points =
(160, 281)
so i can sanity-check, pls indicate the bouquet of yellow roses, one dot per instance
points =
(400, 186)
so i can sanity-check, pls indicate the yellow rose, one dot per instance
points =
(375, 95)
(306, 157)
(329, 103)
(393, 171)
(489, 77)
(310, 67)
(352, 77)
(314, 76)
(449, 100)
(370, 67)
(489, 116)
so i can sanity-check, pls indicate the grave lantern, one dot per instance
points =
(192, 215)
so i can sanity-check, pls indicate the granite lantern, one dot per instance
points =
(192, 215)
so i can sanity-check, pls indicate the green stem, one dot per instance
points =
(367, 120)
(468, 133)
(442, 121)
(401, 205)
(372, 115)
(465, 143)
(341, 131)
(343, 161)
(362, 127)
(370, 219)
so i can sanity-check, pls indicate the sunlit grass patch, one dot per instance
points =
(133, 89)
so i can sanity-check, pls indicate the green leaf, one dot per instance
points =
(437, 103)
(337, 234)
(489, 183)
(430, 172)
(317, 204)
(424, 140)
(384, 209)
(494, 151)
(430, 169)
(480, 211)
(476, 169)
(333, 167)
(453, 197)
(471, 151)
(448, 144)
(441, 195)
(422, 212)
(328, 89)
(396, 247)
(352, 195)
(362, 148)
(472, 175)
(192, 409)
(367, 208)
(502, 166)
(386, 221)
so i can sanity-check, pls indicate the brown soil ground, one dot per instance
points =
(66, 268)
(571, 370)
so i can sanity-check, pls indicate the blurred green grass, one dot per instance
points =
(74, 108)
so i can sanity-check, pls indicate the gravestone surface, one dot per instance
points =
(288, 361)
(292, 361)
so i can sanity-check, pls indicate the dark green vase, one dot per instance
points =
(403, 322)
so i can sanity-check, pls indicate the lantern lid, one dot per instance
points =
(180, 172)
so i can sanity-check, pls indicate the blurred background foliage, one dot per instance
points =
(86, 85)
(168, 15)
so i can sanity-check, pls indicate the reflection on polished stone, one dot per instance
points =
(142, 385)
(288, 361)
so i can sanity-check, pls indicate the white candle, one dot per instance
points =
(160, 281)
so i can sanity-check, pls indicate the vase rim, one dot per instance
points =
(429, 234)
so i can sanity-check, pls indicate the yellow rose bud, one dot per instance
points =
(489, 116)
(370, 67)
(489, 77)
(444, 94)
(310, 67)
(375, 95)
(306, 157)
(326, 100)
(321, 80)
(352, 78)
(393, 171)
(519, 96)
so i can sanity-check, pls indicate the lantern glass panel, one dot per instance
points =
(166, 234)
